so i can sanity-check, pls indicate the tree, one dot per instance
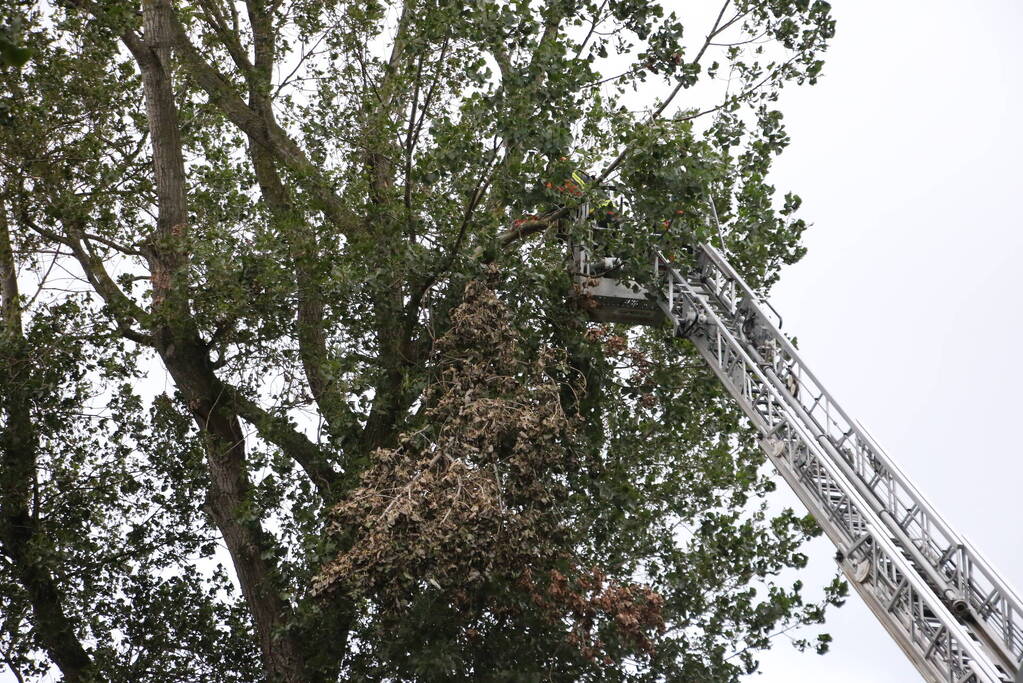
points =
(295, 384)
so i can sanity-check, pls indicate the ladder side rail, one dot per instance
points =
(980, 590)
(831, 418)
(872, 466)
(988, 598)
(909, 543)
(935, 640)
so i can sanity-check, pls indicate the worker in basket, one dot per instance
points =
(603, 214)
(601, 217)
(578, 187)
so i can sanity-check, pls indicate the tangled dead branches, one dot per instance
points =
(468, 504)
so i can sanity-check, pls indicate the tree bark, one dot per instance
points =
(301, 240)
(19, 444)
(186, 358)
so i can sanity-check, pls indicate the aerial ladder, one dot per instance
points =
(949, 611)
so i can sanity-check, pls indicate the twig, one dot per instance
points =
(715, 30)
(597, 20)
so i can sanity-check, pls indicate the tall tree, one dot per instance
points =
(295, 384)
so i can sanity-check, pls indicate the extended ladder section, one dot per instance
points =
(949, 611)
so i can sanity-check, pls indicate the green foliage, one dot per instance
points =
(438, 472)
(12, 50)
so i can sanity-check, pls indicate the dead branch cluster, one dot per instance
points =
(469, 503)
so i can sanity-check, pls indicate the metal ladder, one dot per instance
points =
(948, 610)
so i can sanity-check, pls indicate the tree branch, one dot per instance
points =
(268, 134)
(714, 32)
(228, 37)
(125, 311)
(279, 431)
(187, 359)
(301, 239)
(598, 18)
(19, 442)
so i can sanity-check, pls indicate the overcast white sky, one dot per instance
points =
(907, 306)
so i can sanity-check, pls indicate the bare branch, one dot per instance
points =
(279, 431)
(598, 19)
(715, 30)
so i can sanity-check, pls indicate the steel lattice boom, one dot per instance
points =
(949, 611)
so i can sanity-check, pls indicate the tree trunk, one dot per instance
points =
(229, 499)
(19, 444)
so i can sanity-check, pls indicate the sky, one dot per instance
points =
(907, 304)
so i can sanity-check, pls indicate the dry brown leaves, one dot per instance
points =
(587, 597)
(471, 500)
